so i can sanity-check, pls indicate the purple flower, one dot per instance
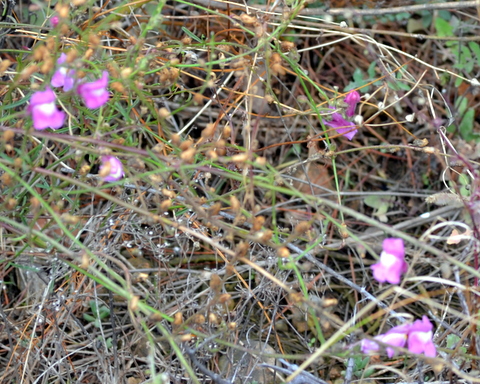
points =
(396, 337)
(352, 100)
(420, 338)
(45, 113)
(111, 168)
(63, 77)
(342, 126)
(392, 262)
(95, 94)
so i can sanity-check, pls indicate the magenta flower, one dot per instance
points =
(420, 338)
(339, 123)
(392, 262)
(95, 94)
(418, 335)
(54, 20)
(342, 126)
(111, 168)
(45, 113)
(352, 100)
(396, 337)
(63, 77)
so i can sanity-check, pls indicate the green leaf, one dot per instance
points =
(372, 201)
(466, 125)
(427, 18)
(443, 27)
(371, 70)
(89, 318)
(357, 75)
(191, 35)
(445, 15)
(452, 341)
(402, 16)
(465, 61)
(475, 49)
(381, 204)
(357, 82)
(461, 105)
(399, 86)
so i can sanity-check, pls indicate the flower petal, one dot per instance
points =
(95, 94)
(352, 100)
(113, 168)
(342, 126)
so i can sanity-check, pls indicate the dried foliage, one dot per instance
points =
(245, 226)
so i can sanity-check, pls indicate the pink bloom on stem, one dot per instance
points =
(342, 126)
(420, 338)
(392, 262)
(95, 94)
(352, 100)
(395, 337)
(54, 20)
(367, 346)
(45, 113)
(63, 77)
(111, 168)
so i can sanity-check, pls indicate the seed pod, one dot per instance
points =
(209, 131)
(234, 204)
(188, 155)
(247, 19)
(224, 298)
(283, 252)
(213, 319)
(443, 198)
(216, 283)
(133, 304)
(302, 227)
(258, 223)
(178, 318)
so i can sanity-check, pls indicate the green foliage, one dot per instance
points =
(98, 313)
(452, 341)
(466, 56)
(381, 205)
(467, 121)
(360, 363)
(360, 81)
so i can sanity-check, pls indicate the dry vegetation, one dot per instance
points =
(244, 228)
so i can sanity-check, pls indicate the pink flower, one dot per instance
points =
(54, 20)
(45, 113)
(63, 77)
(395, 337)
(352, 100)
(95, 94)
(342, 126)
(392, 262)
(111, 168)
(420, 338)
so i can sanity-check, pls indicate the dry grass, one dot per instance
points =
(244, 229)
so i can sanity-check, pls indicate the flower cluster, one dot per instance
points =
(339, 123)
(45, 113)
(63, 77)
(418, 336)
(42, 104)
(392, 262)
